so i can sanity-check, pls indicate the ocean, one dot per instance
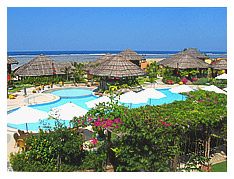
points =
(86, 56)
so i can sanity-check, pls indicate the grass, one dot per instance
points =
(219, 167)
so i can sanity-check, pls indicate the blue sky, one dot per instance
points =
(109, 28)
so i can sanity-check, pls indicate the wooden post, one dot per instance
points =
(109, 166)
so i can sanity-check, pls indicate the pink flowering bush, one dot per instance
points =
(170, 82)
(184, 80)
(195, 79)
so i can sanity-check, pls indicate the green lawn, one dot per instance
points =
(219, 167)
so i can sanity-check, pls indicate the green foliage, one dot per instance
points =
(42, 80)
(51, 149)
(219, 167)
(167, 72)
(154, 135)
(193, 73)
(173, 78)
(184, 73)
(79, 73)
(152, 70)
(201, 81)
(66, 70)
(149, 137)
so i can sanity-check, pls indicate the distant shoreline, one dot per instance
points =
(87, 56)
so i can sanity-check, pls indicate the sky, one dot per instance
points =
(115, 28)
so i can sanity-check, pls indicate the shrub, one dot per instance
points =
(51, 151)
(184, 80)
(173, 78)
(201, 81)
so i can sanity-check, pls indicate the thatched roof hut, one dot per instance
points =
(183, 61)
(11, 60)
(96, 62)
(219, 65)
(117, 66)
(39, 66)
(195, 53)
(132, 56)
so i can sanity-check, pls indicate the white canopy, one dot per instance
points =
(93, 103)
(213, 88)
(132, 97)
(67, 111)
(223, 76)
(151, 93)
(181, 89)
(26, 114)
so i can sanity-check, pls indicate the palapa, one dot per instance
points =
(96, 62)
(117, 66)
(183, 61)
(219, 65)
(195, 53)
(131, 55)
(11, 60)
(39, 66)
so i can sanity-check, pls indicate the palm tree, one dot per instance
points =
(66, 70)
(78, 72)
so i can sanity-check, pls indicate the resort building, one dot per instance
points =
(96, 62)
(195, 53)
(116, 68)
(10, 61)
(132, 56)
(42, 66)
(220, 64)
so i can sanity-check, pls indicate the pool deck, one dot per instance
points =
(40, 98)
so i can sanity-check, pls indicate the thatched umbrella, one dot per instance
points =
(10, 61)
(195, 53)
(39, 66)
(132, 56)
(183, 61)
(219, 65)
(117, 66)
(96, 62)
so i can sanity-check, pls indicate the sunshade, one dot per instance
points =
(93, 103)
(181, 89)
(223, 76)
(151, 93)
(67, 111)
(213, 88)
(132, 97)
(26, 115)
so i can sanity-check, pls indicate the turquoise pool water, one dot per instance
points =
(80, 101)
(72, 92)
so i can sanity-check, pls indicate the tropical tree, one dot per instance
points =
(66, 70)
(152, 71)
(79, 72)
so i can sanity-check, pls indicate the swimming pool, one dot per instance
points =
(80, 101)
(72, 92)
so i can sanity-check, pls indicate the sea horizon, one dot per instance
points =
(85, 56)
